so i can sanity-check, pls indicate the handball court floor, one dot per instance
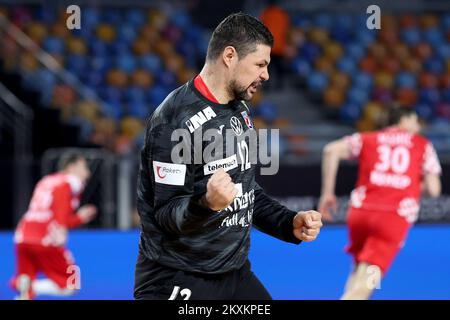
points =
(315, 270)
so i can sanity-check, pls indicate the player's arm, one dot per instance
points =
(432, 185)
(274, 219)
(332, 154)
(431, 172)
(63, 211)
(62, 207)
(178, 209)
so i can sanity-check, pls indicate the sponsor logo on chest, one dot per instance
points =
(236, 126)
(197, 120)
(225, 164)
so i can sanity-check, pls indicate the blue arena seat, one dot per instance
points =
(317, 81)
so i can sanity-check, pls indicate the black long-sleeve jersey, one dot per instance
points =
(176, 230)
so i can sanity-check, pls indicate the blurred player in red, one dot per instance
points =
(41, 234)
(396, 164)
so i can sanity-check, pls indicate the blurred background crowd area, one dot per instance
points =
(331, 75)
(93, 88)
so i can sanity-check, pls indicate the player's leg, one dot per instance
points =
(151, 280)
(50, 288)
(387, 234)
(63, 278)
(350, 279)
(358, 226)
(248, 286)
(366, 278)
(23, 286)
(26, 271)
(154, 281)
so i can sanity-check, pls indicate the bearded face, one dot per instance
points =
(249, 73)
(242, 92)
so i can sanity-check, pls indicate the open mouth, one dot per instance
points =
(254, 87)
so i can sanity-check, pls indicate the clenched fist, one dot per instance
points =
(87, 213)
(220, 191)
(327, 206)
(307, 225)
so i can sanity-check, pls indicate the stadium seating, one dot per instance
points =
(130, 58)
(360, 73)
(133, 58)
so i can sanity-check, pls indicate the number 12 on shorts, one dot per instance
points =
(185, 293)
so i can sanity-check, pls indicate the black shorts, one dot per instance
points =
(157, 282)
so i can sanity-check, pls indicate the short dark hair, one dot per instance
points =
(240, 30)
(397, 113)
(68, 158)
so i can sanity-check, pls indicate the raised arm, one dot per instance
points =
(333, 153)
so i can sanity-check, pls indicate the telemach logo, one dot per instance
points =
(225, 164)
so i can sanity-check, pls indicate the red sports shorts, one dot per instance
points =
(55, 262)
(376, 237)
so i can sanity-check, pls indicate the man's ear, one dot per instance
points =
(229, 56)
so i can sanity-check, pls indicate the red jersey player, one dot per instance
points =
(395, 165)
(41, 234)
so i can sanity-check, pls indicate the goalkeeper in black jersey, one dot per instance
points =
(196, 212)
